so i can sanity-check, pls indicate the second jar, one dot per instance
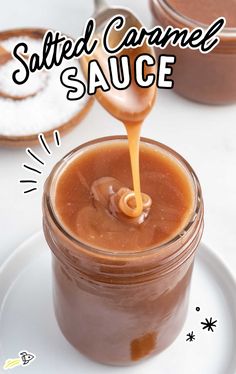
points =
(206, 78)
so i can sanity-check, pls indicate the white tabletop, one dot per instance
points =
(204, 135)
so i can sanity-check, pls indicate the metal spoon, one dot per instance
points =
(134, 103)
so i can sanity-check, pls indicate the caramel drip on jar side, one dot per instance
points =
(133, 133)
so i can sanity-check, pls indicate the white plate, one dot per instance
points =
(27, 320)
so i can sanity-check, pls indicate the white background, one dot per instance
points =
(204, 135)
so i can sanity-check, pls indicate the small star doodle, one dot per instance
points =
(209, 324)
(191, 337)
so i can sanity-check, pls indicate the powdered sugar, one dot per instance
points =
(46, 110)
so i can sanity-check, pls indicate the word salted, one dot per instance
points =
(119, 70)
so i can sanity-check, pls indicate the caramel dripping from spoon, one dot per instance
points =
(140, 99)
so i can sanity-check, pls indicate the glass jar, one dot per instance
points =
(119, 308)
(205, 78)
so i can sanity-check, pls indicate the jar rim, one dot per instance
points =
(226, 32)
(119, 254)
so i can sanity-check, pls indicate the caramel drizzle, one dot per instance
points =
(127, 200)
(133, 133)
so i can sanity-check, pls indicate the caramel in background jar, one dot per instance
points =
(205, 78)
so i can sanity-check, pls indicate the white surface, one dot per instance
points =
(26, 288)
(204, 135)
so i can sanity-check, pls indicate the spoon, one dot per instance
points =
(134, 103)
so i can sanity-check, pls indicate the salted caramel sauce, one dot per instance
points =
(87, 198)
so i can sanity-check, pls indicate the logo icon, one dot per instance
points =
(25, 358)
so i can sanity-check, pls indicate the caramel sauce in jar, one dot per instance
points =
(205, 78)
(121, 287)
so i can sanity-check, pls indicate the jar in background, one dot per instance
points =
(118, 308)
(205, 78)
